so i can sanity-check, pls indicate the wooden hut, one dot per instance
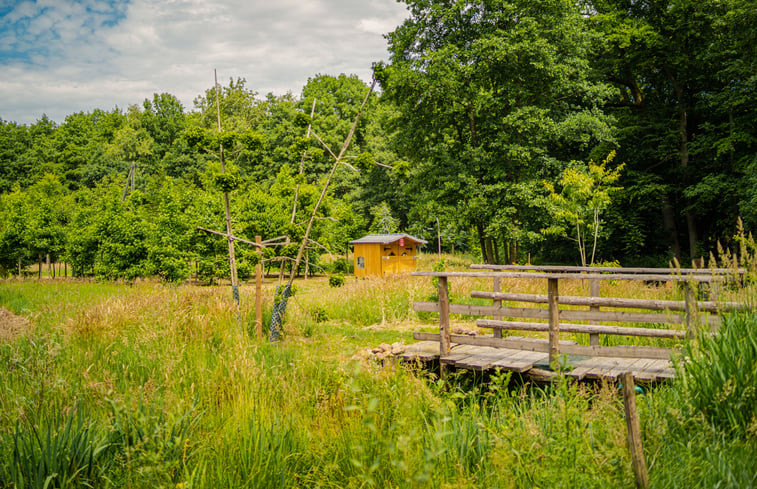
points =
(384, 254)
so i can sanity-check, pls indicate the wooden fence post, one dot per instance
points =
(554, 323)
(594, 292)
(497, 287)
(444, 334)
(258, 290)
(691, 310)
(635, 445)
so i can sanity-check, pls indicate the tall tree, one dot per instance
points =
(684, 74)
(493, 95)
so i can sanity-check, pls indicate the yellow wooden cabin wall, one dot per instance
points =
(379, 260)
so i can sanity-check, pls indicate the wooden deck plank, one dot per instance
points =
(480, 358)
(486, 360)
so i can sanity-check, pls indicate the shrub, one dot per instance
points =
(336, 280)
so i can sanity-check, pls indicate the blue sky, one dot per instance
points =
(63, 56)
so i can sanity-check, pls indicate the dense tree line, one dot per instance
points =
(489, 121)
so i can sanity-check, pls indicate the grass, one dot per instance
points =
(149, 385)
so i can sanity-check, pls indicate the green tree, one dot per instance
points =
(585, 192)
(488, 93)
(383, 220)
(685, 103)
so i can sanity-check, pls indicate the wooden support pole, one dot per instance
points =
(258, 290)
(691, 310)
(554, 324)
(635, 445)
(497, 303)
(444, 333)
(594, 292)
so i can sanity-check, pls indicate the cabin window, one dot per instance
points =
(360, 263)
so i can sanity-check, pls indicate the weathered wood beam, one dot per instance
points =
(581, 328)
(543, 347)
(570, 315)
(651, 304)
(629, 270)
(573, 276)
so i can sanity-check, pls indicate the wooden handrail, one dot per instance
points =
(651, 304)
(689, 311)
(582, 328)
(628, 270)
(583, 276)
(540, 313)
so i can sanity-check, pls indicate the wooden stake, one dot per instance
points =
(554, 324)
(444, 333)
(635, 445)
(258, 290)
(497, 287)
(594, 292)
(691, 310)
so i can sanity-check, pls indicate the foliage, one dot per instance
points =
(584, 195)
(480, 104)
(336, 280)
(383, 221)
(720, 376)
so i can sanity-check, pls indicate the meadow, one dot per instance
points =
(148, 384)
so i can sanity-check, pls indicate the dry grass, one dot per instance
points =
(12, 326)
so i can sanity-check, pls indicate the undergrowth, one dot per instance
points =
(153, 386)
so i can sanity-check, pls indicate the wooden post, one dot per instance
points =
(258, 290)
(497, 303)
(635, 445)
(690, 311)
(554, 324)
(444, 334)
(594, 292)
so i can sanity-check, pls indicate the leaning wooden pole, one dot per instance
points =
(227, 210)
(339, 157)
(279, 306)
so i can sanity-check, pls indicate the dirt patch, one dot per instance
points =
(12, 325)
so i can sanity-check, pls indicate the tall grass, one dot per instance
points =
(169, 394)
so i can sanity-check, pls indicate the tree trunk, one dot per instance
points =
(489, 254)
(513, 252)
(669, 223)
(495, 246)
(683, 152)
(481, 240)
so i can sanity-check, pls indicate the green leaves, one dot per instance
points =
(584, 195)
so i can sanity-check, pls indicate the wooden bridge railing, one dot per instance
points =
(690, 311)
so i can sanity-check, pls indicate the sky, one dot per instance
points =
(58, 57)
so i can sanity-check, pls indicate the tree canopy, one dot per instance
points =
(480, 104)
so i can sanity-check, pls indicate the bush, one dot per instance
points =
(340, 266)
(336, 280)
(720, 376)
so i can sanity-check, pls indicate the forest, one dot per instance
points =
(541, 131)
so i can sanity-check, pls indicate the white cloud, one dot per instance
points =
(173, 46)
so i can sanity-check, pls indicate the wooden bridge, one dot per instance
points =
(663, 322)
